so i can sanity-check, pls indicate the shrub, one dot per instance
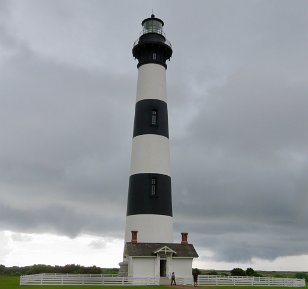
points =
(238, 272)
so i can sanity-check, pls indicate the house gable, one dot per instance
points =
(164, 250)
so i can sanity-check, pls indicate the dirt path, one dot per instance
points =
(180, 286)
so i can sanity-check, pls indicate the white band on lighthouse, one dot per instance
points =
(150, 154)
(152, 228)
(151, 82)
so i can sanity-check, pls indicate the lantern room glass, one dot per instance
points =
(152, 26)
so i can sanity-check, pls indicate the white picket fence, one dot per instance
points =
(217, 280)
(85, 279)
(111, 280)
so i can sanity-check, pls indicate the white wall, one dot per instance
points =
(182, 267)
(149, 267)
(151, 228)
(143, 267)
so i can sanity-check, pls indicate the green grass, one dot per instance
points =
(248, 287)
(12, 282)
(9, 282)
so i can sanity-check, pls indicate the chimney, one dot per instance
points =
(184, 238)
(134, 237)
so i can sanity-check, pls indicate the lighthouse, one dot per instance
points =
(149, 206)
(149, 249)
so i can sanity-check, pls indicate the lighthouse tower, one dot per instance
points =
(149, 249)
(149, 206)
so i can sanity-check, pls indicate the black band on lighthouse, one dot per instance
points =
(151, 117)
(141, 199)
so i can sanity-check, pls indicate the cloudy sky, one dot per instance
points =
(238, 120)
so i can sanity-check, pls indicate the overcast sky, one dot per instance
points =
(238, 122)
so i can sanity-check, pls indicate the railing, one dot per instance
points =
(167, 42)
(85, 279)
(243, 280)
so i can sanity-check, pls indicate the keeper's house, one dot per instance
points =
(159, 259)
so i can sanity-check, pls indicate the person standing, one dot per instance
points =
(173, 279)
(195, 279)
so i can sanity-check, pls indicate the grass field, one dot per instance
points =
(8, 282)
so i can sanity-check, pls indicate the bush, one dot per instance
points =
(238, 272)
(301, 275)
(251, 272)
(39, 268)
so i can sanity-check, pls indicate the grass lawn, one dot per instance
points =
(9, 282)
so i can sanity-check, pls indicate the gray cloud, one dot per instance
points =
(21, 237)
(237, 88)
(97, 244)
(61, 219)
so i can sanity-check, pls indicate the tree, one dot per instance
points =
(196, 271)
(237, 272)
(212, 272)
(41, 268)
(250, 272)
(301, 275)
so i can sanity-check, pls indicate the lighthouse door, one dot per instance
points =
(163, 268)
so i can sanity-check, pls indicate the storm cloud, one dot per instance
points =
(238, 118)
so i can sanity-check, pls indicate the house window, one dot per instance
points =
(154, 56)
(154, 117)
(153, 187)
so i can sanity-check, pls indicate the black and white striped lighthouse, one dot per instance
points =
(149, 249)
(149, 206)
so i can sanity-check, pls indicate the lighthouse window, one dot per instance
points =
(153, 187)
(154, 117)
